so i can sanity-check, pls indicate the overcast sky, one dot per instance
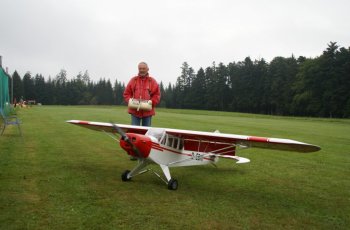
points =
(109, 38)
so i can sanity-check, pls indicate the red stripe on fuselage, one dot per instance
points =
(157, 148)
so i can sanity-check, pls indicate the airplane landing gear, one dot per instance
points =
(125, 175)
(172, 184)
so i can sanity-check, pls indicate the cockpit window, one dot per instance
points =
(158, 133)
(176, 140)
(181, 144)
(170, 141)
(163, 140)
(173, 142)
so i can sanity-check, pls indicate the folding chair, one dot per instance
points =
(9, 120)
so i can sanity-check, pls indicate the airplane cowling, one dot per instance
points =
(141, 142)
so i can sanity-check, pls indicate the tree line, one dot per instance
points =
(286, 86)
(79, 90)
(293, 86)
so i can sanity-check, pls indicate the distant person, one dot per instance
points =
(142, 88)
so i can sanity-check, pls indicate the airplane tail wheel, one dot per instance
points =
(125, 175)
(172, 184)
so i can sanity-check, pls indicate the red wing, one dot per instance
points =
(248, 141)
(209, 141)
(107, 127)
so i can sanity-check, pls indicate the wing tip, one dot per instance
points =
(315, 148)
(73, 121)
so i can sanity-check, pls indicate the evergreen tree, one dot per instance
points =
(118, 93)
(18, 91)
(40, 89)
(168, 97)
(60, 89)
(281, 75)
(199, 90)
(162, 93)
(28, 87)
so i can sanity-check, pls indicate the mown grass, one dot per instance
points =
(60, 176)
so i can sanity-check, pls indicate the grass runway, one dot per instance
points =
(60, 176)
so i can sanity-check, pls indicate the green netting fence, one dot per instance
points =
(5, 105)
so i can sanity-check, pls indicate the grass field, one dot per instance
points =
(60, 176)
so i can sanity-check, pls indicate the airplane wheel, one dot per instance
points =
(172, 184)
(125, 175)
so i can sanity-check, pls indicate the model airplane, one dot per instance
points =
(176, 147)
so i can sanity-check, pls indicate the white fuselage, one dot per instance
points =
(163, 154)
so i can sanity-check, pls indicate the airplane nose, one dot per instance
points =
(141, 142)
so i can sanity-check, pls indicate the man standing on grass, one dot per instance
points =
(142, 87)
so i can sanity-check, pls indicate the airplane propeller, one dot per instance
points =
(126, 138)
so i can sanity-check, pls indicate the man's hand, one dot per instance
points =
(149, 102)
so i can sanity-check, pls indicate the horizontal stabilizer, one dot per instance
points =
(240, 160)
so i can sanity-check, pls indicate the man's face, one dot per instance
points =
(143, 69)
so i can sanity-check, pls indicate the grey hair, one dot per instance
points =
(143, 63)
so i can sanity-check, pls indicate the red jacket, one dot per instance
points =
(145, 88)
